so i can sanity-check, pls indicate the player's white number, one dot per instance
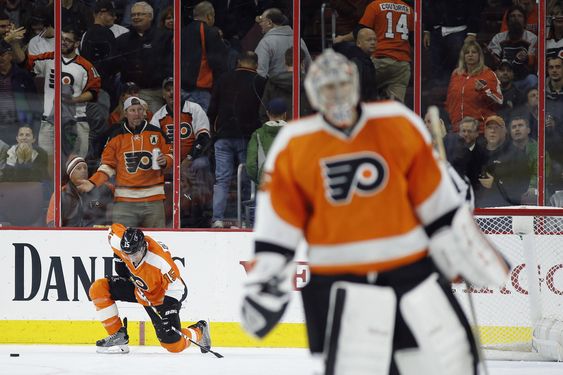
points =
(400, 28)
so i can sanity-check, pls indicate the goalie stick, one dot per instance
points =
(203, 348)
(436, 136)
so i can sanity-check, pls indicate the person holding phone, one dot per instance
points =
(474, 89)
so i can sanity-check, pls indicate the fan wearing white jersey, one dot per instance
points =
(80, 84)
(385, 233)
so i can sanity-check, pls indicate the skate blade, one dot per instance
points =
(116, 349)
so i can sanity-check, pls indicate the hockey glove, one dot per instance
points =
(461, 249)
(266, 293)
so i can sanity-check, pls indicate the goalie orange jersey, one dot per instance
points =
(156, 275)
(361, 200)
(392, 20)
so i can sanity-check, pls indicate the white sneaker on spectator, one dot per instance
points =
(218, 224)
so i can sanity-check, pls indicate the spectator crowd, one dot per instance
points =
(116, 142)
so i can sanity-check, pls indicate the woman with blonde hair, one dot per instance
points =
(474, 89)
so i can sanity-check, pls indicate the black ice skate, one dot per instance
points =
(205, 340)
(116, 343)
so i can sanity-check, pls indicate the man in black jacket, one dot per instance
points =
(447, 25)
(144, 55)
(203, 55)
(233, 115)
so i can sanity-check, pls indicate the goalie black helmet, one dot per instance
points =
(133, 240)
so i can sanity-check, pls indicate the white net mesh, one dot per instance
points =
(505, 317)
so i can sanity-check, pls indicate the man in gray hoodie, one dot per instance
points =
(278, 37)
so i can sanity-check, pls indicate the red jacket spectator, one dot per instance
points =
(474, 89)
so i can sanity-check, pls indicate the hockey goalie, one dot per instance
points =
(386, 232)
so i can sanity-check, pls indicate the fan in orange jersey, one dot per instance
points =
(139, 175)
(146, 275)
(362, 186)
(392, 21)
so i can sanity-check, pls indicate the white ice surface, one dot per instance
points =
(83, 360)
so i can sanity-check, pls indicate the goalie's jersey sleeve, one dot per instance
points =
(193, 122)
(360, 201)
(156, 276)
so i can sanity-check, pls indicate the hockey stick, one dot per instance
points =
(203, 348)
(436, 133)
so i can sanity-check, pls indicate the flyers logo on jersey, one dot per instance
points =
(362, 173)
(185, 131)
(135, 160)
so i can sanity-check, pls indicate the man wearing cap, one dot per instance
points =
(262, 139)
(42, 25)
(505, 174)
(98, 45)
(139, 173)
(512, 96)
(195, 144)
(80, 209)
(517, 45)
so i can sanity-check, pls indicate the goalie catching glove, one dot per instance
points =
(266, 293)
(460, 249)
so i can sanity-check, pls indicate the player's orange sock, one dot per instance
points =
(105, 306)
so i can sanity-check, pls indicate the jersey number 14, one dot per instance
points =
(400, 28)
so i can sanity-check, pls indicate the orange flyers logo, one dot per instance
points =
(138, 160)
(362, 173)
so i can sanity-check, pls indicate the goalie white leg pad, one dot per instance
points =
(360, 326)
(412, 362)
(440, 336)
(547, 339)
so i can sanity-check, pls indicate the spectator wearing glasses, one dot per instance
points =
(144, 55)
(81, 83)
(278, 37)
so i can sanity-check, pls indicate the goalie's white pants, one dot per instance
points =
(362, 324)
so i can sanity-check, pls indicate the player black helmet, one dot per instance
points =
(133, 240)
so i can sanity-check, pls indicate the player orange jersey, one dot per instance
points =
(193, 122)
(359, 200)
(156, 276)
(128, 157)
(392, 20)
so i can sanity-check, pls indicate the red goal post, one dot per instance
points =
(531, 239)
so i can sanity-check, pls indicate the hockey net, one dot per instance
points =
(505, 319)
